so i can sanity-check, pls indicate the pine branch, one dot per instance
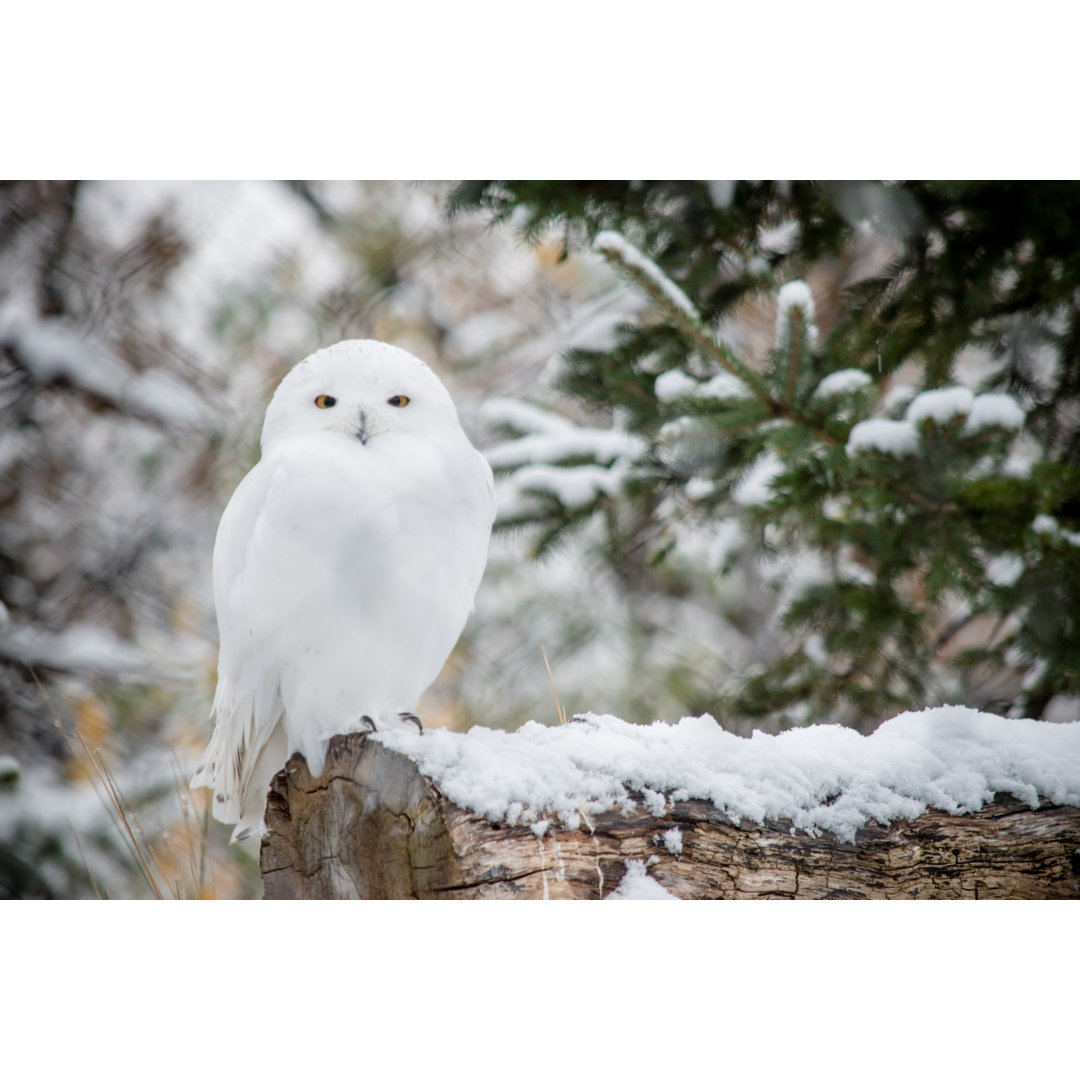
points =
(678, 306)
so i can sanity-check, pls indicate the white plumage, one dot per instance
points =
(345, 565)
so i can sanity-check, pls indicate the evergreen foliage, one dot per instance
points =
(921, 508)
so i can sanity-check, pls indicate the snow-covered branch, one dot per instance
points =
(616, 248)
(947, 802)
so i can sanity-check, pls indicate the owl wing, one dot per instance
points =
(248, 744)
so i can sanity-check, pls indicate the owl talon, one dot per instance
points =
(414, 718)
(368, 722)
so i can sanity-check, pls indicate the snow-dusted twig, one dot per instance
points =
(678, 306)
(616, 248)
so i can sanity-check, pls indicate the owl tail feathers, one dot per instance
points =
(239, 775)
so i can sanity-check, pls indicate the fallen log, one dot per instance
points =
(372, 826)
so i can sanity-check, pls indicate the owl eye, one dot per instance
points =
(325, 401)
(399, 401)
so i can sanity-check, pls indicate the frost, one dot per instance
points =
(637, 885)
(820, 778)
(940, 406)
(995, 410)
(841, 383)
(896, 437)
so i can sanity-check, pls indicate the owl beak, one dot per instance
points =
(362, 426)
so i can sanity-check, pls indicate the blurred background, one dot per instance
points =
(678, 536)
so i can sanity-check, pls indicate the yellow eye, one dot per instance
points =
(399, 401)
(325, 401)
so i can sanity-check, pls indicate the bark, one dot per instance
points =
(371, 827)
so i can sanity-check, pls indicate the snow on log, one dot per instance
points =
(946, 803)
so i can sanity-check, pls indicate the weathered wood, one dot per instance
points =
(371, 827)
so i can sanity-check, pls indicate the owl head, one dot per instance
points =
(362, 390)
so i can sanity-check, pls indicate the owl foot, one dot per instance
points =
(414, 718)
(368, 723)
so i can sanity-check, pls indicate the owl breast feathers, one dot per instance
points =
(345, 565)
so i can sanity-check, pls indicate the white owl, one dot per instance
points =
(345, 566)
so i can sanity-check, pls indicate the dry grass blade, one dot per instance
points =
(114, 797)
(86, 865)
(559, 710)
(107, 782)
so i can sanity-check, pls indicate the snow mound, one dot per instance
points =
(823, 778)
(637, 885)
(940, 406)
(995, 410)
(842, 383)
(896, 437)
(675, 385)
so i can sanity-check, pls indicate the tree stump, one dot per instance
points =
(373, 828)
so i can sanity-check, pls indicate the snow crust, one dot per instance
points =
(823, 778)
(896, 437)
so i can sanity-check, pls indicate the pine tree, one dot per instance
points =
(906, 465)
